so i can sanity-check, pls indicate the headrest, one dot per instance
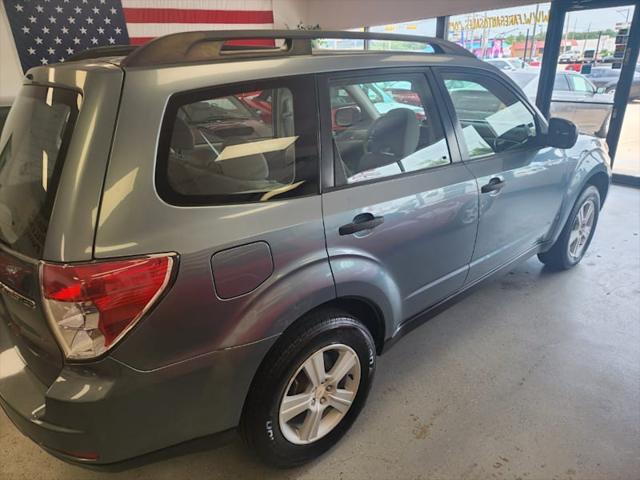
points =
(396, 132)
(182, 136)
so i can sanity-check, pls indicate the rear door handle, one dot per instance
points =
(495, 184)
(363, 221)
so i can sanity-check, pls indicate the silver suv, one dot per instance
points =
(197, 234)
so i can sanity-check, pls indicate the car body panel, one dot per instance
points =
(71, 226)
(517, 217)
(78, 198)
(607, 78)
(587, 159)
(189, 363)
(436, 207)
(90, 405)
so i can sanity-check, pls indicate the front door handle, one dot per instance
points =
(494, 185)
(363, 221)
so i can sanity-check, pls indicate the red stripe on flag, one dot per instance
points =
(173, 15)
(249, 42)
(139, 40)
(252, 42)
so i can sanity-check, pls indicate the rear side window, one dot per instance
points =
(560, 83)
(32, 148)
(250, 143)
(581, 84)
(491, 116)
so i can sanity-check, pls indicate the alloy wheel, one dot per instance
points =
(581, 230)
(319, 394)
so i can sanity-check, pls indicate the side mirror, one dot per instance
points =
(347, 116)
(562, 133)
(601, 90)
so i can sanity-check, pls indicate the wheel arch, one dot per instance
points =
(365, 310)
(601, 181)
(599, 176)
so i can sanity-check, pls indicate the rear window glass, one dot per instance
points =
(32, 146)
(240, 144)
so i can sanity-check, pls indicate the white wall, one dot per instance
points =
(287, 14)
(10, 69)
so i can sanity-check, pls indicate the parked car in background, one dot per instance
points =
(574, 67)
(607, 78)
(569, 57)
(588, 56)
(402, 93)
(259, 102)
(195, 238)
(574, 98)
(507, 63)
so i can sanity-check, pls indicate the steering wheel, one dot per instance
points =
(500, 144)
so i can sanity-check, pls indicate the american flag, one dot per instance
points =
(50, 31)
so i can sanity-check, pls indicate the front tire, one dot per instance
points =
(576, 236)
(310, 388)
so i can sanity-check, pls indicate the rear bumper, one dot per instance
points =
(106, 411)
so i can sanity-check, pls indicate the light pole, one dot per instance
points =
(626, 15)
(535, 25)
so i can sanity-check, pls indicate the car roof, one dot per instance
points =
(213, 47)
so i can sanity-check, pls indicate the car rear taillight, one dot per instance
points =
(91, 306)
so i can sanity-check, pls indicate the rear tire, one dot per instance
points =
(289, 418)
(576, 235)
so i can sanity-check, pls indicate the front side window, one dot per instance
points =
(384, 128)
(241, 145)
(491, 116)
(581, 84)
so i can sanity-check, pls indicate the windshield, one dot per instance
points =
(225, 108)
(32, 148)
(375, 94)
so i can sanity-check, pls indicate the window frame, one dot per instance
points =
(473, 72)
(303, 89)
(565, 79)
(432, 102)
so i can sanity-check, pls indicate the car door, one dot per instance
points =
(400, 209)
(591, 108)
(562, 100)
(521, 181)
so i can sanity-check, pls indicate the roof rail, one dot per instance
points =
(209, 46)
(110, 51)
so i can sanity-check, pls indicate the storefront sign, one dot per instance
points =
(475, 23)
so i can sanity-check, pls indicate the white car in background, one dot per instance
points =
(569, 57)
(507, 63)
